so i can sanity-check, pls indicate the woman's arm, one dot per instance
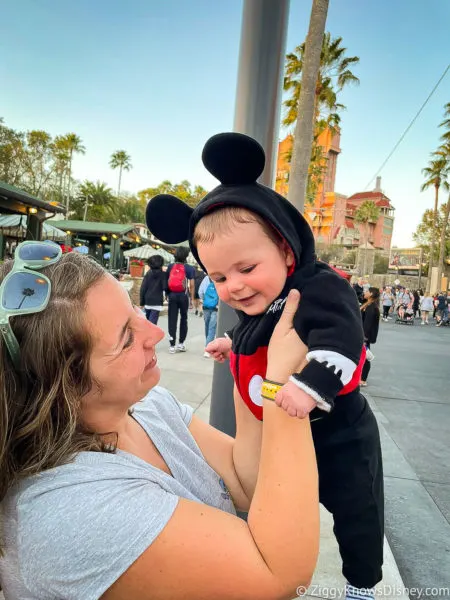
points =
(204, 553)
(236, 460)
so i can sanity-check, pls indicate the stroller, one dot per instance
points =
(405, 315)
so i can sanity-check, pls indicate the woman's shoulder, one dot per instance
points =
(90, 519)
(159, 401)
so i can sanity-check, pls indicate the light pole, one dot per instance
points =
(257, 114)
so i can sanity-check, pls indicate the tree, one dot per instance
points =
(130, 209)
(122, 161)
(443, 152)
(11, 154)
(73, 145)
(368, 212)
(62, 159)
(96, 201)
(380, 263)
(183, 190)
(428, 228)
(314, 75)
(38, 160)
(435, 175)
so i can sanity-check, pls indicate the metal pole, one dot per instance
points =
(257, 113)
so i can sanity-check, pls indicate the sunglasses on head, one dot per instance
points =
(24, 290)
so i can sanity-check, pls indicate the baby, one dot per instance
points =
(255, 247)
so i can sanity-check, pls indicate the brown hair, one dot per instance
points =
(374, 298)
(39, 404)
(222, 219)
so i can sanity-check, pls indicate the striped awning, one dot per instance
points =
(144, 252)
(16, 226)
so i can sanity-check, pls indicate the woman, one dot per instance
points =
(109, 486)
(387, 300)
(426, 307)
(370, 312)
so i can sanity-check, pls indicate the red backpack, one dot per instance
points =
(177, 278)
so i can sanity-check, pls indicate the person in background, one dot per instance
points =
(210, 299)
(387, 300)
(199, 277)
(359, 290)
(153, 287)
(416, 303)
(181, 289)
(442, 309)
(370, 312)
(426, 306)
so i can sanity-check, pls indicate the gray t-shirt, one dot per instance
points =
(70, 532)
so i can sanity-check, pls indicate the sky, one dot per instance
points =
(158, 78)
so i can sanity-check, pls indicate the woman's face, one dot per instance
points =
(367, 294)
(123, 359)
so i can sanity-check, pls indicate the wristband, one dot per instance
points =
(269, 389)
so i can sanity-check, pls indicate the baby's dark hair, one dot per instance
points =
(155, 262)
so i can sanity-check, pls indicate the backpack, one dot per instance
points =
(177, 278)
(210, 299)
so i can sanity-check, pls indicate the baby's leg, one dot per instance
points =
(351, 488)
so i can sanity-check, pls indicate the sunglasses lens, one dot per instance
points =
(41, 251)
(24, 291)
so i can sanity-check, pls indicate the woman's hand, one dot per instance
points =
(286, 353)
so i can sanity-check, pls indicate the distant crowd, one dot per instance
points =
(404, 304)
(184, 287)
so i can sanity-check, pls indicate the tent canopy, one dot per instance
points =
(16, 226)
(144, 252)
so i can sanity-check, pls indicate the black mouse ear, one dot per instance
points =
(168, 218)
(234, 158)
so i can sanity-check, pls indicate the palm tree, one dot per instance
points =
(367, 212)
(313, 88)
(62, 158)
(434, 176)
(97, 198)
(333, 75)
(73, 145)
(444, 153)
(26, 293)
(121, 160)
(304, 99)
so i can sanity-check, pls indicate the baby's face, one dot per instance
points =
(248, 269)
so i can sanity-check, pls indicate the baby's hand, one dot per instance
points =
(295, 401)
(219, 349)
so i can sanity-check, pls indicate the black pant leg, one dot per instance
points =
(386, 311)
(351, 488)
(173, 318)
(366, 368)
(184, 308)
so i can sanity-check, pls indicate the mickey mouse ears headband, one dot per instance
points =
(233, 158)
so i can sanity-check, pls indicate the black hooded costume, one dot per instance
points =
(328, 321)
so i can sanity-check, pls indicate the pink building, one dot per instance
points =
(348, 232)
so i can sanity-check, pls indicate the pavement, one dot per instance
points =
(410, 390)
(189, 376)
